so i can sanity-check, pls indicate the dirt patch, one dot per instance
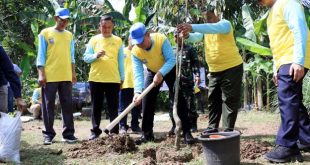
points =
(149, 152)
(165, 154)
(251, 149)
(196, 150)
(116, 144)
(147, 161)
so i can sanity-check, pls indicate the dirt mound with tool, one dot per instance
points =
(97, 147)
(251, 149)
(164, 153)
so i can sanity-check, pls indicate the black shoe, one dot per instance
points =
(145, 138)
(209, 130)
(303, 146)
(69, 139)
(47, 140)
(115, 130)
(228, 130)
(136, 129)
(188, 138)
(281, 154)
(93, 136)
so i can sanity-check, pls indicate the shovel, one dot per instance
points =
(127, 110)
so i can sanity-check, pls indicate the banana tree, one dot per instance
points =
(255, 68)
(254, 36)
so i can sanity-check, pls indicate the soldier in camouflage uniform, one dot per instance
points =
(189, 70)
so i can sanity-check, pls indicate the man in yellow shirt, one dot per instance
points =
(290, 46)
(225, 68)
(155, 52)
(105, 54)
(56, 69)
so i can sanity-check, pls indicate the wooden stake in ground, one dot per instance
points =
(176, 118)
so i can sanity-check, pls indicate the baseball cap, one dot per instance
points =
(210, 6)
(137, 32)
(63, 13)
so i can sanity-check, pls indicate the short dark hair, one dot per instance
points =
(106, 18)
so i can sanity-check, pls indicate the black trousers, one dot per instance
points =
(225, 90)
(64, 90)
(98, 92)
(148, 103)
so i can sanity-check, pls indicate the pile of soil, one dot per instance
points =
(147, 161)
(165, 153)
(149, 153)
(251, 149)
(117, 144)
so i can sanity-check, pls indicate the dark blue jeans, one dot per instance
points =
(295, 123)
(125, 97)
(10, 99)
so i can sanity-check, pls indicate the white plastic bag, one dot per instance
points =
(10, 132)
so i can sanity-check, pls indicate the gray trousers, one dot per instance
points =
(4, 98)
(64, 89)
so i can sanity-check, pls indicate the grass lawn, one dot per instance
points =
(259, 126)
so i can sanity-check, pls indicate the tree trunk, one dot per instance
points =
(268, 94)
(254, 94)
(245, 92)
(259, 93)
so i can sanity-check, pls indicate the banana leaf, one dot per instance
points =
(254, 47)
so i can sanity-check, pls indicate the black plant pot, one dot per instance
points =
(221, 148)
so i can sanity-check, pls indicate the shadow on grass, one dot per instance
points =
(38, 155)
